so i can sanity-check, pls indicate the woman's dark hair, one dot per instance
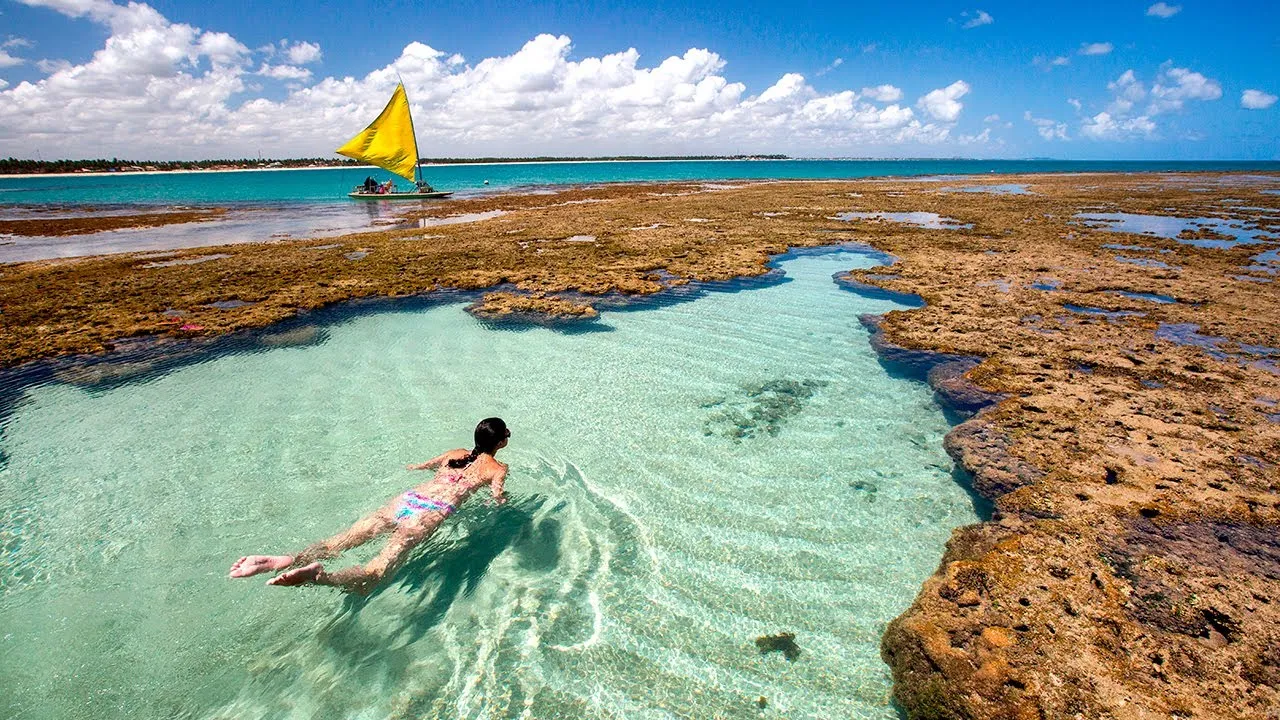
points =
(489, 435)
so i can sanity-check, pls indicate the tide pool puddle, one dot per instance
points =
(249, 224)
(1000, 189)
(684, 479)
(1199, 232)
(932, 221)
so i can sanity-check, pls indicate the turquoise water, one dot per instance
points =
(328, 184)
(683, 480)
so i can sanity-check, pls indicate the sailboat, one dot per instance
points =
(391, 144)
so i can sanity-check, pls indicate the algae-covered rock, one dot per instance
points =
(537, 309)
(783, 642)
(760, 408)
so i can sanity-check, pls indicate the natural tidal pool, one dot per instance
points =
(684, 478)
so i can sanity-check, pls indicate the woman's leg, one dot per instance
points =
(362, 579)
(358, 534)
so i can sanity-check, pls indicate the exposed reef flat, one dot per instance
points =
(91, 222)
(1131, 566)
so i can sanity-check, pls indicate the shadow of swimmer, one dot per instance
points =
(450, 566)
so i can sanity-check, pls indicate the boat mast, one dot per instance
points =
(417, 160)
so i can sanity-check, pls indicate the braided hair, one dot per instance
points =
(488, 436)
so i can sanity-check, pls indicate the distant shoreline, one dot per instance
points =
(188, 171)
(148, 167)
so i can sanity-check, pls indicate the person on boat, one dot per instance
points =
(408, 518)
(386, 188)
(370, 185)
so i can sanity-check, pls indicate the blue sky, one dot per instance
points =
(1176, 80)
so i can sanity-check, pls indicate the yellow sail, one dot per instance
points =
(388, 142)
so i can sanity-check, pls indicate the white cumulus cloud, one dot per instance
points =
(977, 18)
(1256, 100)
(284, 72)
(883, 93)
(1105, 127)
(1176, 85)
(1047, 129)
(7, 60)
(1163, 10)
(944, 103)
(164, 89)
(1098, 48)
(1173, 88)
(302, 53)
(1128, 92)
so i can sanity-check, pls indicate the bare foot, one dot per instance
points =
(254, 564)
(300, 576)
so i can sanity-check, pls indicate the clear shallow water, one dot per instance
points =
(1172, 227)
(1001, 189)
(672, 499)
(1149, 297)
(256, 223)
(919, 219)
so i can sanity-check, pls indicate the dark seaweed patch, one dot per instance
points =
(761, 409)
(784, 643)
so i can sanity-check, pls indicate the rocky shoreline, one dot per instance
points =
(1121, 390)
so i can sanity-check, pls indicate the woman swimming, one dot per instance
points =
(409, 518)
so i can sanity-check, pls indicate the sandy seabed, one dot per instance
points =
(1131, 565)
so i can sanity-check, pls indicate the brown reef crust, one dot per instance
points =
(90, 223)
(1131, 564)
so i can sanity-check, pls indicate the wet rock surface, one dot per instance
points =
(88, 223)
(1129, 568)
(532, 309)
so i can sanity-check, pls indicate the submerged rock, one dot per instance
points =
(783, 642)
(304, 335)
(761, 409)
(106, 373)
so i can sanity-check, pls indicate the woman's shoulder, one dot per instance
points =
(494, 463)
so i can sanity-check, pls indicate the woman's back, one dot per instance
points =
(454, 485)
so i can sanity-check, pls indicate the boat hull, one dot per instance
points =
(434, 195)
